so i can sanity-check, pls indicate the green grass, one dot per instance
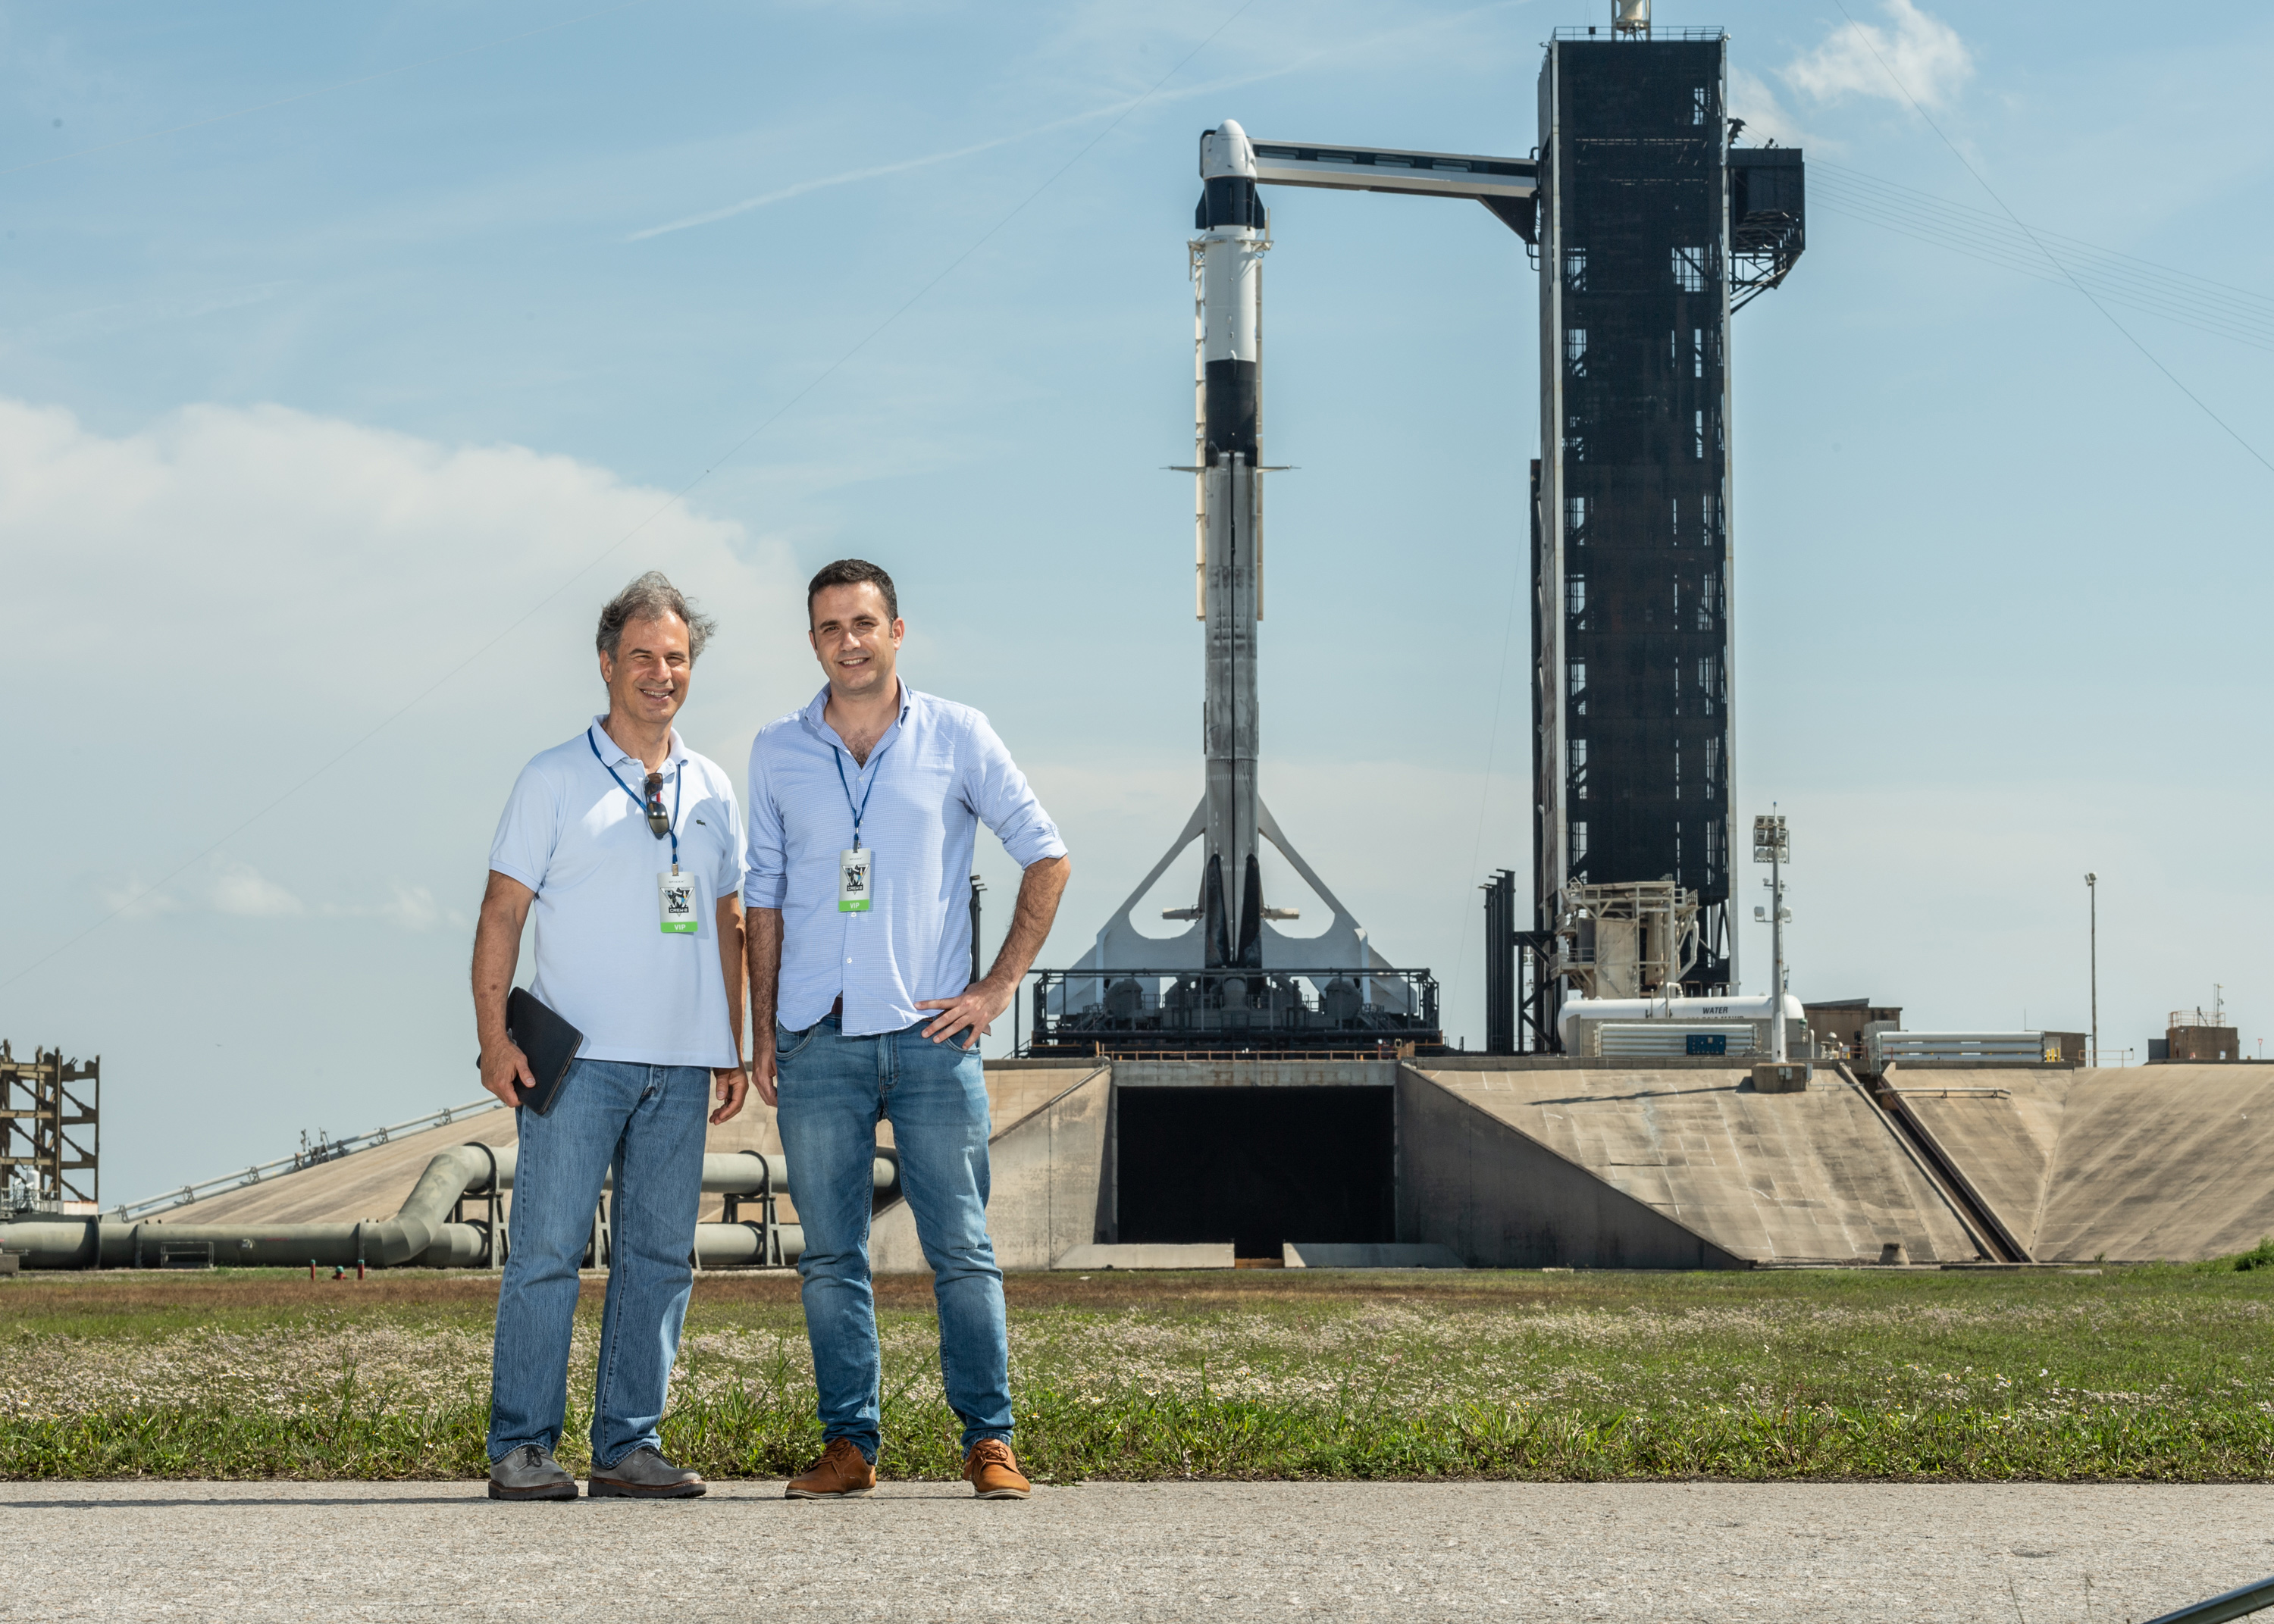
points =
(2136, 1373)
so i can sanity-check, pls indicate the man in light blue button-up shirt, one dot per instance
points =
(922, 784)
(864, 807)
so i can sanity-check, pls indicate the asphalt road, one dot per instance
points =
(2022, 1554)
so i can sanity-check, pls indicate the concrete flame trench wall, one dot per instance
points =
(1510, 1166)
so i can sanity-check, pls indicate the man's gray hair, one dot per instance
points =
(650, 597)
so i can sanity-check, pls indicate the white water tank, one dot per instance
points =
(1701, 1012)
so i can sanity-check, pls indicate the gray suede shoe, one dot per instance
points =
(529, 1473)
(644, 1475)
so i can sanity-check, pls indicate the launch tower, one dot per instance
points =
(1651, 230)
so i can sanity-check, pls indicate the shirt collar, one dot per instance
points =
(616, 756)
(818, 706)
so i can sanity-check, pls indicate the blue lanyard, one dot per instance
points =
(862, 810)
(678, 782)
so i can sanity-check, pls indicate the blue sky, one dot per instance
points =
(328, 423)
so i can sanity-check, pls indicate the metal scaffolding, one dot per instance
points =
(1519, 976)
(50, 1129)
(1651, 230)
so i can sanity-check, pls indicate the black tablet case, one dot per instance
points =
(550, 1042)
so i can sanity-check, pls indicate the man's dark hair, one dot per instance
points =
(853, 572)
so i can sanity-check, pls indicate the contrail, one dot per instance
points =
(849, 176)
(817, 184)
(820, 183)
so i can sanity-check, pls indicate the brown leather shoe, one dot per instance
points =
(842, 1473)
(992, 1471)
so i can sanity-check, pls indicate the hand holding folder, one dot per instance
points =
(550, 1042)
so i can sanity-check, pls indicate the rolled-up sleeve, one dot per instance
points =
(765, 867)
(528, 830)
(999, 792)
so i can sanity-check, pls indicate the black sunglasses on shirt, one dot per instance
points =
(658, 820)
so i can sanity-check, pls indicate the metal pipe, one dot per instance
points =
(421, 1233)
(718, 1244)
(91, 1244)
(740, 1172)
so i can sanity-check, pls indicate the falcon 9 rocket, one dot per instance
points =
(1229, 254)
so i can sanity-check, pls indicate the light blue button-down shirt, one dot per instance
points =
(938, 772)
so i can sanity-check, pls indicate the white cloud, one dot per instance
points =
(245, 591)
(217, 884)
(408, 907)
(1752, 100)
(136, 898)
(302, 659)
(240, 889)
(1924, 53)
(414, 908)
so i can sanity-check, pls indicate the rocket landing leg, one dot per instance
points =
(1121, 946)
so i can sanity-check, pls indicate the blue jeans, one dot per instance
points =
(834, 1090)
(646, 1121)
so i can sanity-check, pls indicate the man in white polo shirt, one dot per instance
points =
(602, 837)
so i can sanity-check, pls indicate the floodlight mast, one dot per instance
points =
(1772, 845)
(2092, 903)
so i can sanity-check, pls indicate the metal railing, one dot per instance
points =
(1655, 31)
(1338, 1009)
(2216, 1020)
(325, 1150)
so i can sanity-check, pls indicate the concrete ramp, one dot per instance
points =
(365, 1184)
(1599, 1168)
(2134, 1163)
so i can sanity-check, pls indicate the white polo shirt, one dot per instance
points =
(573, 835)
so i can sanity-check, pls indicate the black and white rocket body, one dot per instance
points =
(1228, 273)
(1231, 922)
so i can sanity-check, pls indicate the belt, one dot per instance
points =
(837, 1008)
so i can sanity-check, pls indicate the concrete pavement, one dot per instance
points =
(257, 1552)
